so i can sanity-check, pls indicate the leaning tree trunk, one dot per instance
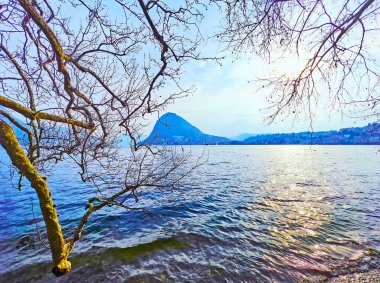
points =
(58, 247)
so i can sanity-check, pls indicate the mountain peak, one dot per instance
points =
(172, 129)
(168, 114)
(171, 119)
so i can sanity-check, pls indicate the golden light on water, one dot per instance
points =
(297, 211)
(297, 207)
(296, 201)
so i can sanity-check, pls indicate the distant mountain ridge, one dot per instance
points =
(369, 134)
(172, 129)
(242, 137)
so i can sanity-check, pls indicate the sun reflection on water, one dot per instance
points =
(294, 205)
(300, 210)
(297, 208)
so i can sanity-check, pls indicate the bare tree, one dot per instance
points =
(73, 85)
(338, 40)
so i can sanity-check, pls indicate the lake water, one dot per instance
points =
(251, 214)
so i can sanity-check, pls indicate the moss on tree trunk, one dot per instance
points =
(54, 232)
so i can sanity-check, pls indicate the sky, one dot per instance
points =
(227, 101)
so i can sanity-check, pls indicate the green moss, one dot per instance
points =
(373, 252)
(21, 161)
(125, 254)
(214, 270)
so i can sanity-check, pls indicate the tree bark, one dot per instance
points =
(20, 160)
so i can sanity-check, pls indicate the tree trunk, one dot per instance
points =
(20, 160)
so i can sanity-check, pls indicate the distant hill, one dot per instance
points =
(369, 134)
(172, 129)
(242, 137)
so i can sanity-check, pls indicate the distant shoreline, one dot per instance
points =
(172, 129)
(361, 144)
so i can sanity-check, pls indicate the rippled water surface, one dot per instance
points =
(252, 213)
